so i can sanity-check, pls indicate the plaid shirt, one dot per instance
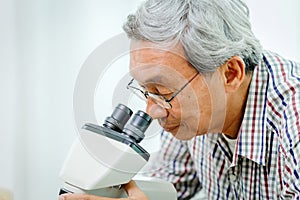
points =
(266, 160)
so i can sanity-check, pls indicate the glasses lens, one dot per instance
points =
(137, 90)
(159, 100)
(140, 92)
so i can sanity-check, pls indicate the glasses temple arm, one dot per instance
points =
(176, 93)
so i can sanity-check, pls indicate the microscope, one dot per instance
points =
(110, 157)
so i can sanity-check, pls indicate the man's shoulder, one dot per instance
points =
(283, 98)
(283, 76)
(277, 64)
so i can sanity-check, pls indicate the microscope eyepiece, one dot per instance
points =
(137, 126)
(118, 118)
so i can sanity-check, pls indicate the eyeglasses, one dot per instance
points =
(156, 98)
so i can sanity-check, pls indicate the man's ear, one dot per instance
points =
(233, 72)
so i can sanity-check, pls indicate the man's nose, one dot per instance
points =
(155, 111)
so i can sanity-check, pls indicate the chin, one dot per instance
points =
(182, 133)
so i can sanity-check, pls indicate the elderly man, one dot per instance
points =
(230, 110)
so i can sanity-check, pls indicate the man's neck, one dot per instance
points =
(236, 104)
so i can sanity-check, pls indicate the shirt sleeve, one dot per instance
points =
(174, 164)
(291, 175)
(291, 133)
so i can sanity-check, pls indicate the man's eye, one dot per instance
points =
(164, 90)
(166, 95)
(160, 91)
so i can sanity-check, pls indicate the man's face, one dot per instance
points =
(197, 109)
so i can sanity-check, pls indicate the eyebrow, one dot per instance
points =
(160, 80)
(156, 79)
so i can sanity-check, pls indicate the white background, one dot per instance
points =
(43, 44)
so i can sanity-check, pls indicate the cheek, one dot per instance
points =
(195, 110)
(193, 114)
(193, 105)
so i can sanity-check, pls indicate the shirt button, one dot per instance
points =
(232, 178)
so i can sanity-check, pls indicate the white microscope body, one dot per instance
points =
(106, 157)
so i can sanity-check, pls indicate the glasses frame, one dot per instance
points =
(159, 99)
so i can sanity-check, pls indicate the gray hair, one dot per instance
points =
(210, 31)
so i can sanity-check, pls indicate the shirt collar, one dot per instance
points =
(251, 141)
